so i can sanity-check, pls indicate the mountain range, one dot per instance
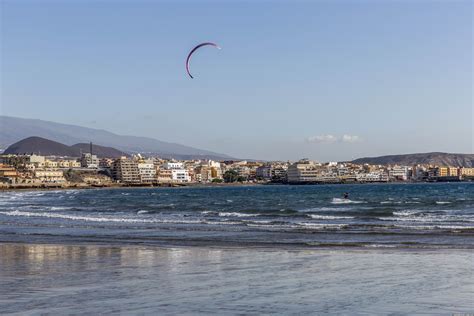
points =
(433, 158)
(14, 129)
(69, 140)
(46, 147)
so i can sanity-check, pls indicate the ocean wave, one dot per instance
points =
(236, 214)
(442, 202)
(59, 208)
(433, 227)
(391, 202)
(325, 209)
(405, 213)
(98, 219)
(329, 217)
(345, 201)
(321, 226)
(428, 219)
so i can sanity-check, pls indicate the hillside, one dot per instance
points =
(13, 129)
(46, 147)
(434, 158)
(100, 151)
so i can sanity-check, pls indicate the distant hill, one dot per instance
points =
(434, 158)
(100, 151)
(46, 147)
(13, 129)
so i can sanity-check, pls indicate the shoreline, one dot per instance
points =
(47, 187)
(263, 248)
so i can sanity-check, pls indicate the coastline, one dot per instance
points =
(45, 186)
(118, 186)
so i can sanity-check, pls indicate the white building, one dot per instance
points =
(180, 175)
(172, 165)
(303, 171)
(37, 161)
(147, 171)
(50, 176)
(398, 173)
(372, 177)
(89, 161)
(178, 172)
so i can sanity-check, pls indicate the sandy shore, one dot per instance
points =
(91, 279)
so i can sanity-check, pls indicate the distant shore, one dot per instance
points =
(45, 186)
(83, 186)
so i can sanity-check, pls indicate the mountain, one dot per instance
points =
(434, 158)
(13, 129)
(46, 147)
(100, 151)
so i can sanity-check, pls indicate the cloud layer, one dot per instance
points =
(329, 139)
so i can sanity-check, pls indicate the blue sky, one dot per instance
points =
(327, 80)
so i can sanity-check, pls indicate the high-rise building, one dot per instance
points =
(125, 170)
(147, 171)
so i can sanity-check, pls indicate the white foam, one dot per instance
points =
(405, 213)
(98, 219)
(321, 226)
(329, 217)
(429, 219)
(142, 212)
(58, 208)
(429, 227)
(324, 209)
(345, 201)
(443, 202)
(235, 214)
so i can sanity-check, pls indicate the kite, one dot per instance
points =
(192, 52)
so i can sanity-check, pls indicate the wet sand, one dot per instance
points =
(91, 279)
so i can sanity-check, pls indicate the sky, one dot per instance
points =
(325, 80)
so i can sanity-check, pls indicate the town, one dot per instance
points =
(33, 170)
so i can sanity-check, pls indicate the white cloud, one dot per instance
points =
(322, 139)
(350, 139)
(329, 139)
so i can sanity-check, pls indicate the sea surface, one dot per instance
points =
(398, 249)
(434, 216)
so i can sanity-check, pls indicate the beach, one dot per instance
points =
(386, 249)
(97, 279)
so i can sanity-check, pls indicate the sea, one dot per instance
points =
(386, 249)
(422, 215)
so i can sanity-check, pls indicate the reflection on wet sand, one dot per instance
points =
(64, 279)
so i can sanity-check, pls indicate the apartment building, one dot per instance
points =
(303, 171)
(398, 173)
(147, 171)
(49, 176)
(125, 170)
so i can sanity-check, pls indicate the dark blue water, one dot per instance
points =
(387, 215)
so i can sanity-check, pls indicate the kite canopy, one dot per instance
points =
(192, 52)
